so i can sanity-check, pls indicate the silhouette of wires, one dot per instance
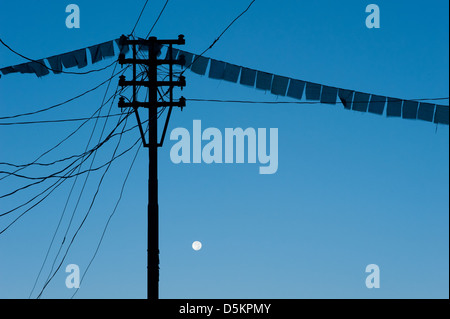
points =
(35, 162)
(62, 103)
(83, 158)
(58, 120)
(291, 102)
(67, 171)
(218, 38)
(23, 166)
(79, 197)
(139, 18)
(53, 273)
(48, 68)
(55, 268)
(110, 217)
(157, 19)
(70, 167)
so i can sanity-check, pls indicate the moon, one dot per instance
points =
(196, 245)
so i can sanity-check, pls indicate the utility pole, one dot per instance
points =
(151, 64)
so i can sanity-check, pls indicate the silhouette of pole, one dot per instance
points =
(154, 46)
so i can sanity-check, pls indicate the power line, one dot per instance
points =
(62, 103)
(49, 278)
(55, 185)
(79, 172)
(67, 167)
(109, 219)
(70, 173)
(292, 102)
(232, 22)
(20, 167)
(72, 188)
(70, 194)
(139, 18)
(69, 157)
(60, 120)
(157, 19)
(30, 208)
(59, 143)
(48, 68)
(83, 159)
(82, 223)
(56, 231)
(82, 156)
(221, 34)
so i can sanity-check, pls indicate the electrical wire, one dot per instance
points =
(289, 102)
(80, 226)
(54, 235)
(139, 18)
(158, 115)
(69, 174)
(63, 140)
(221, 34)
(157, 19)
(70, 194)
(59, 172)
(58, 120)
(62, 103)
(55, 175)
(49, 278)
(23, 166)
(76, 174)
(110, 217)
(46, 178)
(32, 184)
(66, 158)
(48, 68)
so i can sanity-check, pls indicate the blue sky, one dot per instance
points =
(352, 189)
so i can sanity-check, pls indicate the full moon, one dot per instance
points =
(196, 245)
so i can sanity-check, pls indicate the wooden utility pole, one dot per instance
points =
(151, 63)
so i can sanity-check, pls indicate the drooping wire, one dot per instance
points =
(139, 18)
(160, 112)
(218, 38)
(72, 188)
(157, 19)
(50, 277)
(290, 102)
(67, 137)
(65, 177)
(62, 103)
(65, 158)
(51, 189)
(67, 167)
(58, 120)
(81, 224)
(48, 68)
(110, 217)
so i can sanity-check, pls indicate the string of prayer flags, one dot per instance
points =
(276, 84)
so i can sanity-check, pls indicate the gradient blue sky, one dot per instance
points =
(352, 189)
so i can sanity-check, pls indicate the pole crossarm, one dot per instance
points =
(180, 83)
(122, 104)
(151, 40)
(123, 60)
